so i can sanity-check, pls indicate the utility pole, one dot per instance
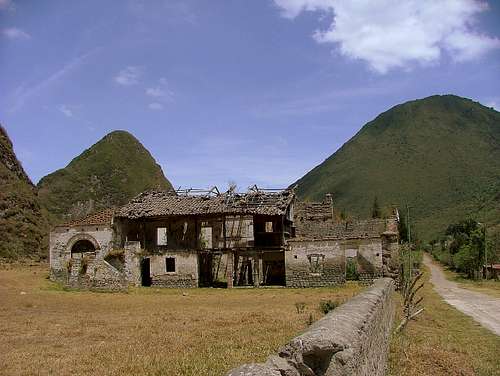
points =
(485, 254)
(485, 251)
(409, 240)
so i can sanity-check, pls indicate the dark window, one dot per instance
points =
(316, 262)
(170, 264)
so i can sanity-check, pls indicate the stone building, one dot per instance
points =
(206, 238)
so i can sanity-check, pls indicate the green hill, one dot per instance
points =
(109, 173)
(440, 155)
(23, 224)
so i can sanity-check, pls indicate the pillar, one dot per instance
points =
(230, 269)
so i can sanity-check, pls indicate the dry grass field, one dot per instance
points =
(45, 330)
(443, 342)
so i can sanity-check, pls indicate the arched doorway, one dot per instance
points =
(82, 246)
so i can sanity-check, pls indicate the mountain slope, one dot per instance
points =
(109, 173)
(440, 155)
(23, 225)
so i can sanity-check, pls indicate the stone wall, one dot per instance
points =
(317, 262)
(314, 263)
(185, 274)
(351, 340)
(63, 238)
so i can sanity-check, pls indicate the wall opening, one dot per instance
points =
(170, 264)
(211, 270)
(146, 272)
(82, 246)
(273, 265)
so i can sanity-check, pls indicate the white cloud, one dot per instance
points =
(155, 106)
(160, 93)
(66, 110)
(128, 76)
(155, 92)
(15, 33)
(390, 34)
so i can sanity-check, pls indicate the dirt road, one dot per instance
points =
(482, 308)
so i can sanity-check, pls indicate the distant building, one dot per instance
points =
(199, 238)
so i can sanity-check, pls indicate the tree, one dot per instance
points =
(376, 212)
(402, 228)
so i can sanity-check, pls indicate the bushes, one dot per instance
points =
(464, 247)
(351, 270)
(326, 306)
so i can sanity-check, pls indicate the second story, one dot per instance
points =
(206, 220)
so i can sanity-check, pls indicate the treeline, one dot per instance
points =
(466, 246)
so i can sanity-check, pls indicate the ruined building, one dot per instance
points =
(206, 238)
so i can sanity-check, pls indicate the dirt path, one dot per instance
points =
(482, 308)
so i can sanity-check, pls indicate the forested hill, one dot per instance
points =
(108, 174)
(23, 224)
(440, 155)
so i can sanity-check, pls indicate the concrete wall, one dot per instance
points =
(351, 340)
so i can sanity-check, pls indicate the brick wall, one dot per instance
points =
(351, 340)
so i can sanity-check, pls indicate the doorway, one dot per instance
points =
(146, 272)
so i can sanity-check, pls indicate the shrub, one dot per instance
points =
(351, 270)
(84, 263)
(326, 306)
(300, 307)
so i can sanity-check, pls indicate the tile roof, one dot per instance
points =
(156, 203)
(103, 217)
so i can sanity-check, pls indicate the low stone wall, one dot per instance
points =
(351, 340)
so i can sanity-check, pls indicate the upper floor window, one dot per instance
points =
(269, 227)
(206, 237)
(161, 236)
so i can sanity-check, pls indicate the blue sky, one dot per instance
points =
(238, 91)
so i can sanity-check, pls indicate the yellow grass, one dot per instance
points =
(48, 331)
(444, 342)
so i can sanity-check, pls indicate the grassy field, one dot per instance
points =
(490, 287)
(47, 331)
(443, 341)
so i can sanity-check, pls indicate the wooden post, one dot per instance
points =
(230, 269)
(261, 269)
(256, 270)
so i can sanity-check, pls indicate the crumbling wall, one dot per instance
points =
(351, 340)
(314, 263)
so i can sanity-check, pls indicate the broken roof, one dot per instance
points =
(103, 217)
(156, 203)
